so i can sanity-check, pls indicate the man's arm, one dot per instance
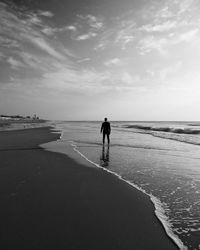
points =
(102, 127)
(109, 128)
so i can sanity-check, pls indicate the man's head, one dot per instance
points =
(105, 119)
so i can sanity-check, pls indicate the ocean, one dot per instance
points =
(162, 159)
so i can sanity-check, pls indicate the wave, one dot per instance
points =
(194, 124)
(186, 135)
(165, 129)
(189, 139)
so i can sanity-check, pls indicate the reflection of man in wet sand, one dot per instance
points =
(104, 159)
(106, 129)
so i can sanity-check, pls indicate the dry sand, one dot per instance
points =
(48, 201)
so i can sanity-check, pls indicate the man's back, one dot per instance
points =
(105, 127)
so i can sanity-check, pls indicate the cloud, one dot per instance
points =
(27, 53)
(129, 80)
(45, 13)
(125, 33)
(8, 43)
(42, 44)
(93, 22)
(149, 27)
(122, 33)
(15, 64)
(49, 31)
(85, 27)
(126, 78)
(167, 71)
(162, 45)
(165, 26)
(2, 56)
(185, 5)
(106, 38)
(173, 9)
(71, 27)
(89, 80)
(188, 36)
(19, 29)
(111, 62)
(31, 60)
(36, 47)
(84, 60)
(87, 36)
(149, 43)
(77, 80)
(34, 19)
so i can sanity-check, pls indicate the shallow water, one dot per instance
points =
(164, 164)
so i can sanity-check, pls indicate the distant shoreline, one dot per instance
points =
(15, 124)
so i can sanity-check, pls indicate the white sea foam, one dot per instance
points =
(182, 134)
(167, 129)
(159, 207)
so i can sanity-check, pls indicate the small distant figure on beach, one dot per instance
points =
(106, 130)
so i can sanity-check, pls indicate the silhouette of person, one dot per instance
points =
(104, 159)
(106, 130)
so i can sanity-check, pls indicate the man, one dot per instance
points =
(106, 129)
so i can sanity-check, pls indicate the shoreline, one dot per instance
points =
(57, 201)
(11, 124)
(159, 210)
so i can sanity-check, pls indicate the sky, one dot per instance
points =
(90, 59)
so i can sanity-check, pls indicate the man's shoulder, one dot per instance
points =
(105, 123)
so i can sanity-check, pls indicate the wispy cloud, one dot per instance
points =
(51, 31)
(45, 60)
(15, 64)
(23, 28)
(93, 21)
(24, 44)
(86, 36)
(8, 43)
(45, 13)
(86, 27)
(150, 43)
(84, 60)
(153, 26)
(165, 72)
(42, 44)
(162, 27)
(29, 42)
(74, 79)
(114, 61)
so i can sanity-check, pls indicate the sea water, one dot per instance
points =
(162, 159)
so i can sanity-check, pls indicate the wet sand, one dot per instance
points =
(48, 201)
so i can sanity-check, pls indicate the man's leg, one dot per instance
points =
(108, 138)
(104, 137)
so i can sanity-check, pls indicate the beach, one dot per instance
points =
(21, 123)
(49, 201)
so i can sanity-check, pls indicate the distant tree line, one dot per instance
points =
(19, 117)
